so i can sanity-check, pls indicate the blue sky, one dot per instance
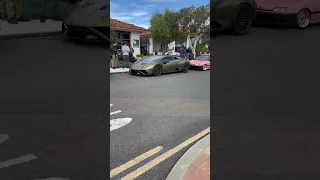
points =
(139, 12)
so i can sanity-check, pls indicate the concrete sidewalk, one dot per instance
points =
(194, 164)
(29, 29)
(119, 70)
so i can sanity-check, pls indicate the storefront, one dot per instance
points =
(128, 33)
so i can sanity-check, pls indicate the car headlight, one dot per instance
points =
(282, 9)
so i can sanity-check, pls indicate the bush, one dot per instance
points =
(150, 54)
(140, 55)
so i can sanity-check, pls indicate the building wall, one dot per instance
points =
(135, 36)
(151, 45)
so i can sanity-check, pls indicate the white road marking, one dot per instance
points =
(111, 105)
(115, 112)
(53, 178)
(119, 123)
(18, 160)
(3, 138)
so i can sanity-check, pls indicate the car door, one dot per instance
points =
(168, 64)
(316, 10)
(176, 63)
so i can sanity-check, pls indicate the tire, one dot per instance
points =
(157, 70)
(185, 68)
(242, 20)
(303, 19)
(204, 67)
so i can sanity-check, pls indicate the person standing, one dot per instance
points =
(14, 11)
(182, 52)
(114, 54)
(125, 55)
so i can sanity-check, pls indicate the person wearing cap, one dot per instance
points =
(125, 55)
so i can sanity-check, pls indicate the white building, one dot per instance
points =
(152, 47)
(128, 33)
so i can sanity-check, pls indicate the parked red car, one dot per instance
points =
(201, 62)
(300, 13)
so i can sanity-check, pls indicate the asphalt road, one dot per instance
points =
(265, 105)
(54, 110)
(165, 111)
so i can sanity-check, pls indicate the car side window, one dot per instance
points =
(168, 59)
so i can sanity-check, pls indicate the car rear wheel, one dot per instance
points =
(303, 19)
(186, 68)
(204, 67)
(242, 20)
(157, 70)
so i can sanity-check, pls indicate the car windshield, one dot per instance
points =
(151, 58)
(202, 58)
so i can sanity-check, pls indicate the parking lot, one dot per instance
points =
(166, 111)
(264, 110)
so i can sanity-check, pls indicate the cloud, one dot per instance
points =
(140, 13)
(165, 1)
(146, 26)
(113, 5)
(121, 16)
(145, 6)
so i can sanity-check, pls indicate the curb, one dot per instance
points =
(30, 35)
(119, 72)
(181, 167)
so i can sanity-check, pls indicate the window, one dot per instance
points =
(169, 58)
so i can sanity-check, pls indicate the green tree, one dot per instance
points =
(195, 22)
(114, 36)
(165, 28)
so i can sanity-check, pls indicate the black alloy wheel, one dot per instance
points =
(157, 70)
(242, 21)
(186, 68)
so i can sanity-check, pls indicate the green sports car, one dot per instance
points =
(235, 15)
(156, 65)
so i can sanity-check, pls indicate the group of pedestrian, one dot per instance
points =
(126, 52)
(185, 53)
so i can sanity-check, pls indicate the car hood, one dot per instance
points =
(142, 65)
(198, 62)
(271, 4)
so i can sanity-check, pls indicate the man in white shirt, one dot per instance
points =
(125, 55)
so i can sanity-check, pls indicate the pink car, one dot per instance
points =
(300, 13)
(201, 62)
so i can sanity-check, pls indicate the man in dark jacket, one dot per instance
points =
(114, 54)
(182, 52)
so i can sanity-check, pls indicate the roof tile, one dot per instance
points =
(119, 24)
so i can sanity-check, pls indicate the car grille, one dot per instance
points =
(137, 72)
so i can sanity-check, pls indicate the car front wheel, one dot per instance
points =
(186, 68)
(242, 20)
(157, 70)
(204, 67)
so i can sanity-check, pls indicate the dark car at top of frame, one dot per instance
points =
(88, 20)
(159, 64)
(235, 15)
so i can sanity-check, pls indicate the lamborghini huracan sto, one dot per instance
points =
(157, 65)
(234, 15)
(88, 20)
